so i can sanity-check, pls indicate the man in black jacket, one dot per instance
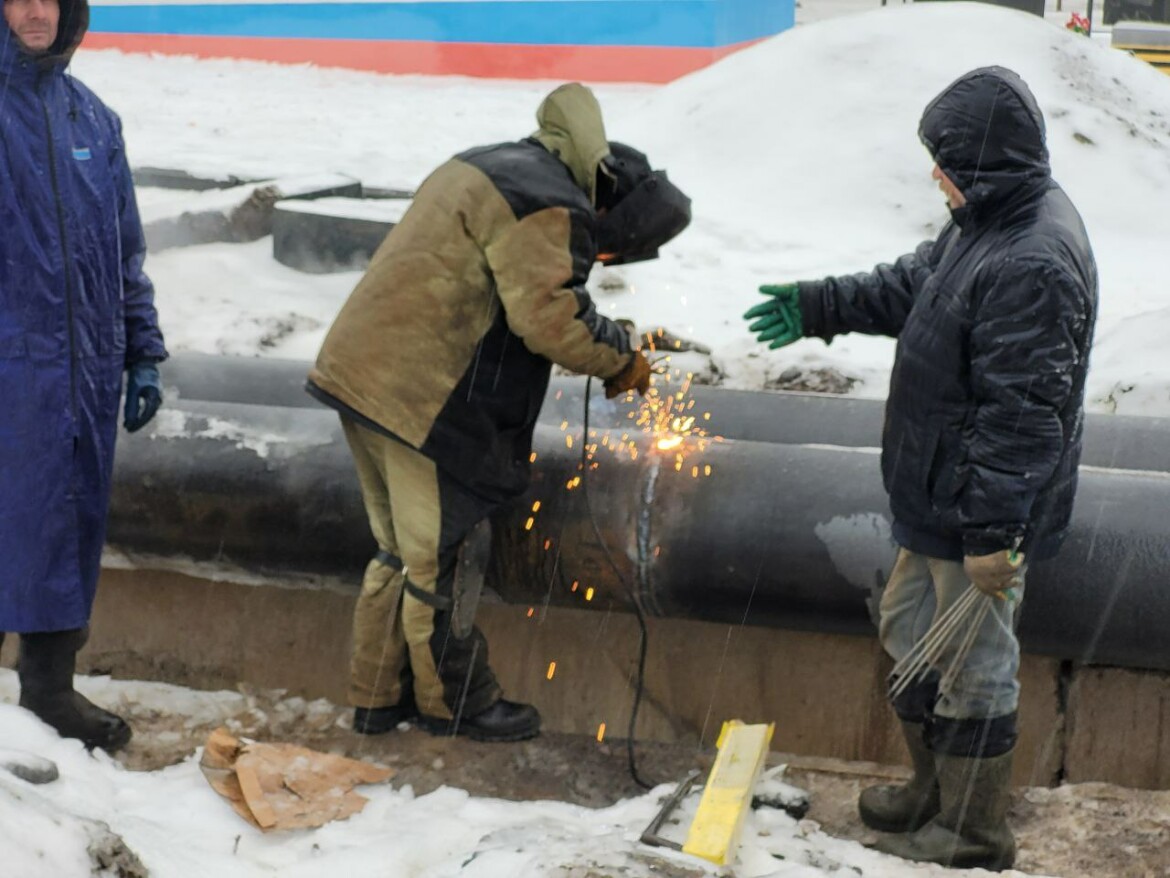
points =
(982, 437)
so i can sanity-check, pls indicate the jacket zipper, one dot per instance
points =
(62, 236)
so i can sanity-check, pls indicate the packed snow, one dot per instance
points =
(178, 827)
(801, 155)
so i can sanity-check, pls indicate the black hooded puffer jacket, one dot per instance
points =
(994, 322)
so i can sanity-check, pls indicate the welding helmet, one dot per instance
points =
(639, 209)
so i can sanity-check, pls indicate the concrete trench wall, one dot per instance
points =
(824, 691)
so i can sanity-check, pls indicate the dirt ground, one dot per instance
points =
(1081, 831)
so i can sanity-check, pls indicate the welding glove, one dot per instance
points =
(636, 376)
(778, 320)
(143, 395)
(995, 573)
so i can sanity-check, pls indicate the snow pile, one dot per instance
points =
(803, 159)
(801, 154)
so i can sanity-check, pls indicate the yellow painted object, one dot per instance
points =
(1148, 41)
(1160, 58)
(715, 830)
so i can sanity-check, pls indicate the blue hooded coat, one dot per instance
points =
(75, 310)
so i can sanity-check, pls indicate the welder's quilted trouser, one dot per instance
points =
(419, 516)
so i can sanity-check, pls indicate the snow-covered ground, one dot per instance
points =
(800, 153)
(178, 827)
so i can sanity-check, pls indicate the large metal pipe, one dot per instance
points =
(1112, 441)
(780, 533)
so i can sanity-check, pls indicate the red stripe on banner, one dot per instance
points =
(654, 64)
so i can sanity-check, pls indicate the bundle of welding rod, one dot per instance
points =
(951, 637)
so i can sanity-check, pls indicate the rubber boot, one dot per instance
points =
(47, 664)
(971, 831)
(502, 721)
(909, 806)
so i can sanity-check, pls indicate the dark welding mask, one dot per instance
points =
(639, 209)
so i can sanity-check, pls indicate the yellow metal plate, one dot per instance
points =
(715, 830)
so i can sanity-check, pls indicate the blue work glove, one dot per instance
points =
(777, 321)
(143, 395)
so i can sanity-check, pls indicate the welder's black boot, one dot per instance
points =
(909, 806)
(47, 663)
(971, 830)
(379, 720)
(502, 721)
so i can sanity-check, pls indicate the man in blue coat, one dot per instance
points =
(76, 311)
(982, 438)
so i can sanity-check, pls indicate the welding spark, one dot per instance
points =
(664, 416)
(552, 669)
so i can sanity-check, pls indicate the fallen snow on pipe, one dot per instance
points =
(173, 423)
(119, 558)
(844, 449)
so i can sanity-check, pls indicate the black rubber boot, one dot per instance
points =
(971, 831)
(909, 806)
(379, 720)
(47, 663)
(503, 721)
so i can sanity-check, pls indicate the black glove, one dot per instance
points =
(143, 395)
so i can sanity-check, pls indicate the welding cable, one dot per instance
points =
(644, 637)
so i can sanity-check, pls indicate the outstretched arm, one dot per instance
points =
(874, 303)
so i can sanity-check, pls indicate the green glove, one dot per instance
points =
(777, 321)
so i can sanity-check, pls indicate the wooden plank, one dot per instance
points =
(1119, 728)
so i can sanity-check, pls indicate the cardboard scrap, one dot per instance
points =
(283, 786)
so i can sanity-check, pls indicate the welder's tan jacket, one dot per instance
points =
(448, 339)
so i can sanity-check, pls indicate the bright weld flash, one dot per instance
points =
(663, 415)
